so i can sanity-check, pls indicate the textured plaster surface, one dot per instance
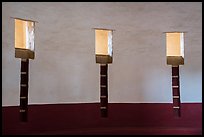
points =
(65, 71)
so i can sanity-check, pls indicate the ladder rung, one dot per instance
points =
(23, 85)
(103, 86)
(23, 97)
(103, 107)
(175, 86)
(174, 76)
(103, 75)
(22, 110)
(23, 72)
(24, 60)
(177, 107)
(175, 96)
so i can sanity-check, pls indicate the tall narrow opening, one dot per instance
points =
(24, 39)
(175, 48)
(103, 45)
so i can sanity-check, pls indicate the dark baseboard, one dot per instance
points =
(85, 118)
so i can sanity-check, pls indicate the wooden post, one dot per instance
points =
(104, 89)
(176, 90)
(24, 89)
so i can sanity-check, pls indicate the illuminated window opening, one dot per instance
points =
(175, 48)
(24, 39)
(103, 45)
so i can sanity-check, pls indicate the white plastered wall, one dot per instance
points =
(64, 68)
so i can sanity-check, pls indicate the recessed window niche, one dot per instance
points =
(103, 46)
(175, 48)
(24, 39)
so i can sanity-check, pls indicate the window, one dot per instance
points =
(103, 46)
(24, 39)
(175, 48)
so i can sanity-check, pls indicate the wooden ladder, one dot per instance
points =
(24, 89)
(176, 91)
(104, 89)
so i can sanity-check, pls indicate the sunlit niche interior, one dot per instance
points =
(103, 42)
(175, 44)
(24, 39)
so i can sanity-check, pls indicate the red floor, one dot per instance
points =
(123, 118)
